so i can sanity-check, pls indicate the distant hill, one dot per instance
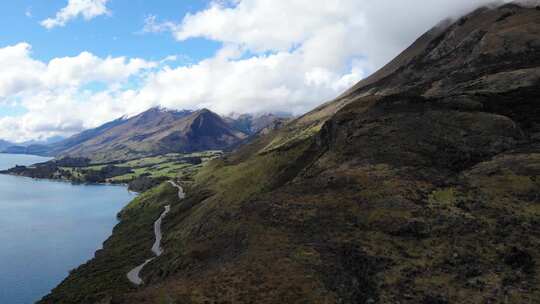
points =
(43, 150)
(4, 144)
(46, 141)
(156, 131)
(253, 123)
(38, 147)
(83, 137)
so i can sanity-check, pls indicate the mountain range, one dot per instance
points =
(5, 144)
(251, 124)
(153, 132)
(418, 185)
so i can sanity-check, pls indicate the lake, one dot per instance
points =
(48, 228)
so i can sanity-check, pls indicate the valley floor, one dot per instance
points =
(139, 174)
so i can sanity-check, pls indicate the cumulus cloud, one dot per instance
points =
(88, 9)
(20, 72)
(258, 84)
(290, 55)
(151, 25)
(28, 12)
(374, 29)
(58, 95)
(276, 56)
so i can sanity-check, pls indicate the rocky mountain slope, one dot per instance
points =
(419, 185)
(252, 124)
(153, 132)
(37, 147)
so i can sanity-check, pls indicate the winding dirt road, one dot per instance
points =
(181, 194)
(134, 275)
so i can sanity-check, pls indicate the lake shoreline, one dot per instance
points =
(50, 227)
(68, 181)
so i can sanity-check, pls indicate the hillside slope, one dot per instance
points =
(153, 132)
(252, 124)
(156, 131)
(420, 185)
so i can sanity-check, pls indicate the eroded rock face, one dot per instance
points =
(406, 132)
(482, 44)
(472, 93)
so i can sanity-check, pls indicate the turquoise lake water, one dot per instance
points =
(48, 228)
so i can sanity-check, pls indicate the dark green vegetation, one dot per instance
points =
(90, 280)
(419, 185)
(140, 174)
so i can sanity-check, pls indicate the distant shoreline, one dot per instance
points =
(67, 181)
(10, 153)
(138, 175)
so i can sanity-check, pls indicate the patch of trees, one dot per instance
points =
(101, 176)
(73, 162)
(192, 160)
(144, 183)
(45, 170)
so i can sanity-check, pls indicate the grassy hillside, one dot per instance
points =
(418, 186)
(90, 282)
(140, 174)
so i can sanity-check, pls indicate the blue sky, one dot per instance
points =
(70, 65)
(119, 34)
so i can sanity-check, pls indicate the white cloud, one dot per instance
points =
(56, 94)
(276, 55)
(28, 12)
(88, 9)
(260, 83)
(86, 68)
(151, 25)
(373, 29)
(21, 73)
(18, 69)
(289, 55)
